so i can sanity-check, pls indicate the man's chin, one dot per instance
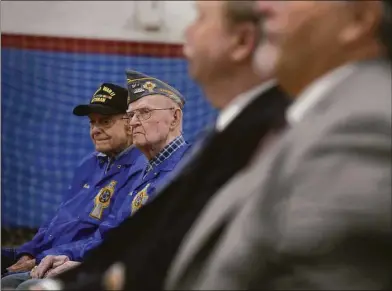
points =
(140, 144)
(265, 59)
(193, 73)
(139, 139)
(102, 148)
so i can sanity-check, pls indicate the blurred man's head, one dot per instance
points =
(313, 37)
(154, 112)
(109, 130)
(220, 44)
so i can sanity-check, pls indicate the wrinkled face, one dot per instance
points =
(206, 41)
(301, 33)
(151, 119)
(109, 133)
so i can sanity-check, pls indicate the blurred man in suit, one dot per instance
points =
(220, 47)
(315, 211)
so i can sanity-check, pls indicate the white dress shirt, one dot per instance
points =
(230, 112)
(315, 91)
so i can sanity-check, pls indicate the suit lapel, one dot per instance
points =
(216, 212)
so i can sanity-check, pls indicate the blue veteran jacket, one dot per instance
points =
(147, 185)
(135, 198)
(89, 201)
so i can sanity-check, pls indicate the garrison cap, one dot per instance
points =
(141, 85)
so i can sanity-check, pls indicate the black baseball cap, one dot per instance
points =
(109, 99)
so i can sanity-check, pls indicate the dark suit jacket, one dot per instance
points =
(149, 240)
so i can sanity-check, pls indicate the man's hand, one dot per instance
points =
(47, 284)
(114, 277)
(25, 263)
(48, 263)
(62, 268)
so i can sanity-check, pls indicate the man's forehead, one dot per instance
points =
(315, 4)
(207, 5)
(101, 116)
(148, 101)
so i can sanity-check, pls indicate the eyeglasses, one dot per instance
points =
(105, 123)
(144, 113)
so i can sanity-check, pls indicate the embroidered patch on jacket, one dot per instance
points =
(140, 199)
(102, 200)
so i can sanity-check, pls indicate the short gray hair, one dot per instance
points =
(241, 11)
(177, 100)
(386, 26)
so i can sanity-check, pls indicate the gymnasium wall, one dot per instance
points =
(53, 56)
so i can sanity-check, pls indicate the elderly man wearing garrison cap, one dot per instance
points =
(155, 116)
(97, 184)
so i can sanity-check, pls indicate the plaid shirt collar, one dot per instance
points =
(165, 153)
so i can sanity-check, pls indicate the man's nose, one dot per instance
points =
(95, 130)
(134, 120)
(187, 34)
(265, 8)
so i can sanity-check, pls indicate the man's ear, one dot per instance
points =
(366, 17)
(177, 116)
(245, 40)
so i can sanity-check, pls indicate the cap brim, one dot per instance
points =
(83, 110)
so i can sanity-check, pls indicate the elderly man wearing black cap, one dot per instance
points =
(97, 185)
(105, 111)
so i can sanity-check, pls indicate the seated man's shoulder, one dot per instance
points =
(91, 157)
(136, 156)
(88, 162)
(185, 149)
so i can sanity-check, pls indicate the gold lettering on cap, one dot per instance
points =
(109, 91)
(98, 99)
(99, 89)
